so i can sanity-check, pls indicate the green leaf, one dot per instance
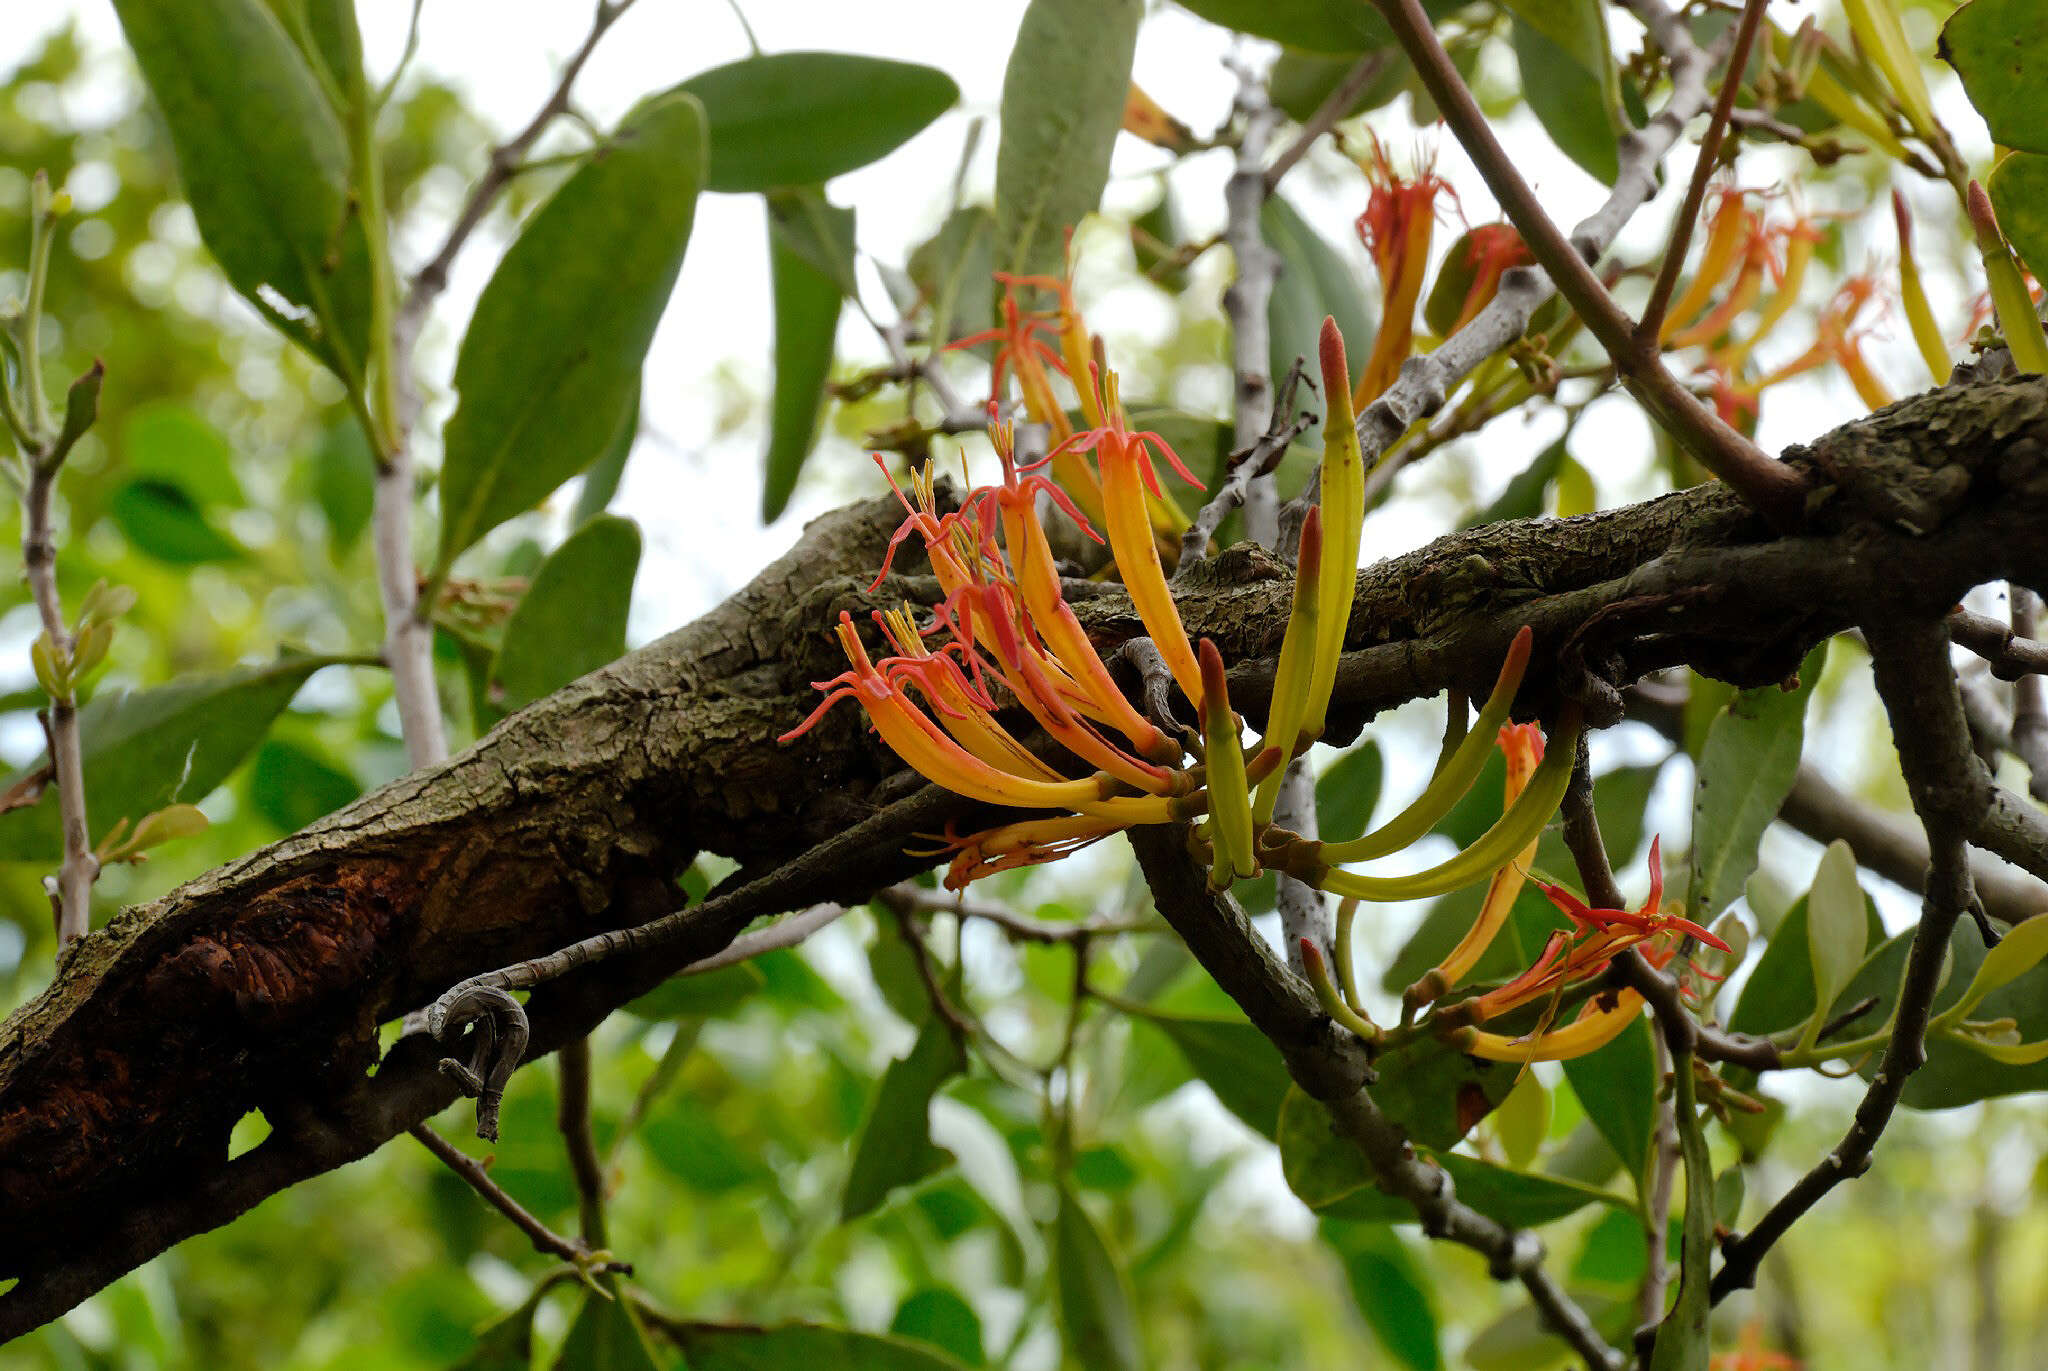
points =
(1063, 102)
(345, 485)
(145, 749)
(1310, 25)
(1745, 771)
(953, 269)
(1519, 1199)
(1522, 497)
(1391, 1289)
(1618, 1087)
(1523, 1121)
(1234, 1060)
(806, 317)
(803, 1347)
(265, 165)
(552, 358)
(606, 1336)
(801, 220)
(2017, 953)
(1436, 1092)
(802, 118)
(160, 520)
(895, 1144)
(172, 444)
(1348, 792)
(601, 479)
(291, 786)
(1956, 1074)
(937, 1315)
(1575, 27)
(506, 1345)
(2019, 194)
(687, 1142)
(1315, 280)
(1301, 81)
(1097, 1322)
(1569, 101)
(1835, 926)
(2000, 49)
(572, 619)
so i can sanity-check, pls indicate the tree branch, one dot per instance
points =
(1919, 692)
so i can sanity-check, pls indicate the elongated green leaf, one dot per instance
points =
(606, 1336)
(804, 1347)
(327, 36)
(1348, 792)
(265, 165)
(145, 749)
(344, 485)
(2000, 48)
(1745, 771)
(160, 520)
(1779, 992)
(1063, 102)
(895, 1143)
(506, 1345)
(1835, 928)
(802, 118)
(952, 270)
(1569, 101)
(2019, 952)
(1301, 81)
(1523, 1121)
(1315, 280)
(939, 1316)
(1234, 1060)
(1438, 1093)
(601, 479)
(572, 619)
(806, 316)
(173, 444)
(552, 357)
(804, 222)
(1097, 1321)
(1618, 1087)
(1576, 27)
(1391, 1290)
(2019, 193)
(1318, 26)
(291, 785)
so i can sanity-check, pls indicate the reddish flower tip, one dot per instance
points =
(1309, 559)
(1904, 218)
(1215, 688)
(1982, 217)
(1336, 368)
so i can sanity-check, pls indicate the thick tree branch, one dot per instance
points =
(260, 986)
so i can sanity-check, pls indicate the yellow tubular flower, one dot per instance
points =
(1290, 677)
(1137, 557)
(1726, 231)
(1591, 1031)
(1919, 314)
(1523, 746)
(966, 718)
(1343, 505)
(1454, 777)
(1515, 830)
(1229, 797)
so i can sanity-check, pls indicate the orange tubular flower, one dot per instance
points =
(1732, 226)
(1522, 744)
(1839, 340)
(1396, 227)
(1491, 249)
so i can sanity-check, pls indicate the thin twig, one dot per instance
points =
(1247, 467)
(2029, 701)
(1651, 325)
(1917, 686)
(1250, 293)
(545, 1240)
(1770, 486)
(1334, 107)
(572, 1118)
(502, 166)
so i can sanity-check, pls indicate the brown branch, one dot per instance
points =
(1651, 325)
(1772, 487)
(1918, 689)
(572, 1121)
(2009, 654)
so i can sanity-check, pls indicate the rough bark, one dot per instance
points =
(261, 985)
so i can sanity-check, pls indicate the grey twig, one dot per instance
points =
(499, 169)
(2029, 703)
(1362, 74)
(1919, 693)
(545, 1240)
(1248, 468)
(1250, 294)
(1304, 912)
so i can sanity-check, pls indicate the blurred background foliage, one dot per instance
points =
(767, 1163)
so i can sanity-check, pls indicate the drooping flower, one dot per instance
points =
(1396, 227)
